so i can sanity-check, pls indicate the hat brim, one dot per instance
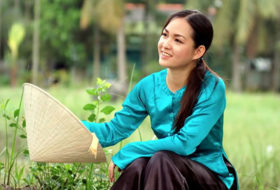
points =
(54, 133)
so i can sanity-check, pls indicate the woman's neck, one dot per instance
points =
(176, 78)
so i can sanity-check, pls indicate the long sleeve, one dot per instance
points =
(124, 122)
(197, 126)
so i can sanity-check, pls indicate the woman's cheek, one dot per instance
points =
(160, 43)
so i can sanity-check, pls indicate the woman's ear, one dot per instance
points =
(199, 52)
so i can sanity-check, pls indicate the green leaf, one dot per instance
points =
(16, 113)
(67, 166)
(1, 166)
(92, 117)
(92, 91)
(24, 123)
(99, 81)
(106, 97)
(107, 85)
(13, 125)
(99, 90)
(6, 104)
(6, 116)
(101, 120)
(21, 172)
(95, 102)
(89, 107)
(23, 136)
(26, 152)
(108, 109)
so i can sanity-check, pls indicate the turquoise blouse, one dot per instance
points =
(200, 138)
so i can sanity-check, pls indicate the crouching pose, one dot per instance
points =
(186, 103)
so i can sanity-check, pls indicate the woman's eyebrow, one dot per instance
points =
(176, 35)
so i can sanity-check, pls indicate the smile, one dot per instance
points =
(165, 54)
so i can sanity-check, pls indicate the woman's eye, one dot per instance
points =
(179, 41)
(164, 34)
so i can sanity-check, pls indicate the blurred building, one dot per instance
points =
(258, 74)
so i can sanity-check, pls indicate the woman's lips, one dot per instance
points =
(165, 55)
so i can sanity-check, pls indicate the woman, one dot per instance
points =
(186, 102)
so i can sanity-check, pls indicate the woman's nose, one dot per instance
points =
(166, 44)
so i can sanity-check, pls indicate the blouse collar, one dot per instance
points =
(165, 87)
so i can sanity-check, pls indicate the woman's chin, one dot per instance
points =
(164, 63)
(167, 65)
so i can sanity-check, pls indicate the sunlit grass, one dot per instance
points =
(251, 131)
(251, 138)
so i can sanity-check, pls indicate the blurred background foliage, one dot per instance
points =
(64, 45)
(86, 39)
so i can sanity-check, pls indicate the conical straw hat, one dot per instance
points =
(54, 133)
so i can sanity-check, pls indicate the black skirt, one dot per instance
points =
(166, 170)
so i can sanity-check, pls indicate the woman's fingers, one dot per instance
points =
(111, 171)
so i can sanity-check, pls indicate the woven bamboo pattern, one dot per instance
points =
(54, 133)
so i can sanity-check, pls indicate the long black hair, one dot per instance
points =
(202, 35)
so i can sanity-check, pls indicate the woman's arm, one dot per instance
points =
(124, 122)
(196, 128)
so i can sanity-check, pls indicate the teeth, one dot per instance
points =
(165, 54)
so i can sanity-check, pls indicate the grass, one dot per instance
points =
(251, 131)
(251, 138)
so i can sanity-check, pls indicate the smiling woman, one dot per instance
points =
(176, 47)
(186, 103)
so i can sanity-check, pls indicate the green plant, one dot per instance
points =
(18, 174)
(129, 89)
(29, 179)
(76, 175)
(1, 168)
(67, 176)
(100, 180)
(100, 96)
(12, 123)
(57, 176)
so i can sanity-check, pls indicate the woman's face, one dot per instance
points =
(176, 46)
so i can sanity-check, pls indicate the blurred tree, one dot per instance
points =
(10, 13)
(122, 67)
(149, 20)
(173, 1)
(216, 58)
(36, 42)
(61, 40)
(0, 27)
(112, 21)
(276, 70)
(16, 3)
(201, 5)
(237, 21)
(16, 36)
(88, 15)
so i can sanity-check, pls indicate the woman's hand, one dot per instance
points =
(111, 170)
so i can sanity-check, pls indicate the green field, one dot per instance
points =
(251, 131)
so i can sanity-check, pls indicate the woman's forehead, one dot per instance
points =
(179, 26)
